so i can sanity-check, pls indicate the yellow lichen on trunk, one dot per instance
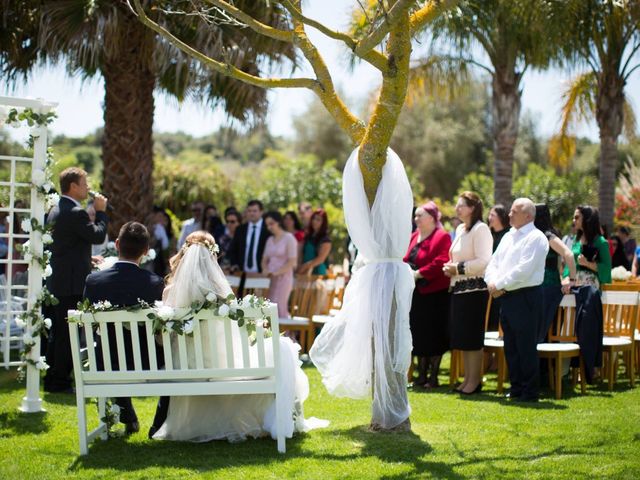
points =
(373, 149)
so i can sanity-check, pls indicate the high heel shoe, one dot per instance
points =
(478, 389)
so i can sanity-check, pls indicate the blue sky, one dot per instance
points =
(80, 103)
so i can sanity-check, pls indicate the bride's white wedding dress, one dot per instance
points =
(230, 417)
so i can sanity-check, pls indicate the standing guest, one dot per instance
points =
(293, 225)
(278, 262)
(635, 265)
(619, 258)
(429, 317)
(211, 222)
(570, 237)
(558, 255)
(4, 246)
(73, 234)
(316, 246)
(247, 246)
(305, 210)
(161, 241)
(468, 257)
(628, 243)
(498, 223)
(193, 224)
(515, 274)
(125, 284)
(232, 221)
(590, 249)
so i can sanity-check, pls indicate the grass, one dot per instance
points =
(595, 436)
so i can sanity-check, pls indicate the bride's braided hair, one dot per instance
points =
(196, 238)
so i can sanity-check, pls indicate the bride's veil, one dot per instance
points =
(197, 274)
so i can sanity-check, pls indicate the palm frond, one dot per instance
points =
(440, 75)
(561, 150)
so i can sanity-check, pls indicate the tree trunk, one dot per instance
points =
(127, 146)
(609, 115)
(506, 104)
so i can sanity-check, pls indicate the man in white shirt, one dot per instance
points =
(515, 274)
(193, 224)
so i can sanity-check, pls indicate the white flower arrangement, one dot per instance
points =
(620, 274)
(25, 225)
(42, 364)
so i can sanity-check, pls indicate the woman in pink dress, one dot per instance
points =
(278, 261)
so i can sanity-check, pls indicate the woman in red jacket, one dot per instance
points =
(428, 252)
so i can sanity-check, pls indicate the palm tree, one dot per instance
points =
(105, 37)
(604, 37)
(513, 35)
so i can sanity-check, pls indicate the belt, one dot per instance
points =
(520, 290)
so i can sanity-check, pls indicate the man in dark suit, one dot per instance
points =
(247, 247)
(123, 285)
(73, 234)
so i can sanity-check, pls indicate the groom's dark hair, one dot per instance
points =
(133, 240)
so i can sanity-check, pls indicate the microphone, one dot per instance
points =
(92, 195)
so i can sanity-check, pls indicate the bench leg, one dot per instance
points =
(82, 424)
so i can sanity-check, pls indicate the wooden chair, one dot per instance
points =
(629, 286)
(562, 344)
(302, 307)
(494, 343)
(620, 312)
(256, 284)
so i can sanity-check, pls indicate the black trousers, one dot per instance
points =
(58, 376)
(521, 315)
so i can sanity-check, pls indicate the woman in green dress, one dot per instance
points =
(316, 246)
(590, 249)
(559, 254)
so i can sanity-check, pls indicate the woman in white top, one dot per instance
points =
(469, 255)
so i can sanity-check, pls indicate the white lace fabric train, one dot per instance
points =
(230, 417)
(363, 339)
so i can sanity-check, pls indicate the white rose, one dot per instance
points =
(187, 327)
(107, 304)
(47, 271)
(166, 313)
(38, 177)
(20, 322)
(151, 254)
(47, 238)
(25, 225)
(27, 339)
(223, 311)
(248, 299)
(28, 257)
(53, 199)
(211, 297)
(47, 323)
(169, 325)
(47, 187)
(42, 364)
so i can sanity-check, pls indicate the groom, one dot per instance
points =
(123, 285)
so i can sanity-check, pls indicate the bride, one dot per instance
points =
(194, 274)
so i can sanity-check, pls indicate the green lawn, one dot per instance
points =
(595, 436)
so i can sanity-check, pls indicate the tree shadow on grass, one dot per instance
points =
(18, 423)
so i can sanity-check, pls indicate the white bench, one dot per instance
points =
(257, 374)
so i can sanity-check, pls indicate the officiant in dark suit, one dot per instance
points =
(123, 285)
(73, 234)
(246, 249)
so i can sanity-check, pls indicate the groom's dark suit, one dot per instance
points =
(122, 285)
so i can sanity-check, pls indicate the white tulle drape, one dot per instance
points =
(369, 340)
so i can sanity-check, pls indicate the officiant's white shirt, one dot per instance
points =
(256, 240)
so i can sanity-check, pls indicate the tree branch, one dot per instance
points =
(396, 14)
(428, 12)
(325, 88)
(252, 23)
(220, 67)
(375, 58)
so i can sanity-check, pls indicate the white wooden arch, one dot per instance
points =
(19, 200)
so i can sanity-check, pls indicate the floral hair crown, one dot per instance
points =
(213, 248)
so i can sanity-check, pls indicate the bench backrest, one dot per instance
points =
(217, 349)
